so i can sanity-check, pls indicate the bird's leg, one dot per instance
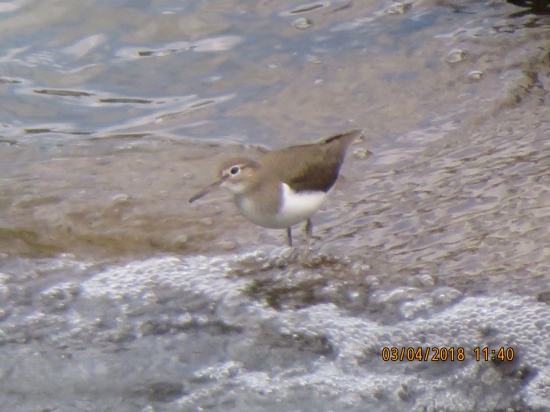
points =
(309, 231)
(304, 257)
(289, 235)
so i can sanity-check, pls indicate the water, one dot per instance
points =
(175, 334)
(119, 295)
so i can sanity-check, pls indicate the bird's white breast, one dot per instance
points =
(298, 206)
(294, 208)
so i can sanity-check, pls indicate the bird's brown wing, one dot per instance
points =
(311, 166)
(304, 167)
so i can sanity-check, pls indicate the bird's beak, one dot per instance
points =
(208, 189)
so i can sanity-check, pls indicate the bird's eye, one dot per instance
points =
(234, 170)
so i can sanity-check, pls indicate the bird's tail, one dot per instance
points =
(345, 139)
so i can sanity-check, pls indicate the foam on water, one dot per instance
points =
(343, 364)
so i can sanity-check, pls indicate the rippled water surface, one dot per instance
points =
(117, 294)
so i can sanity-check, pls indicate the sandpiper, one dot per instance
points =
(284, 187)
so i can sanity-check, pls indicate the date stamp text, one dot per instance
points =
(442, 354)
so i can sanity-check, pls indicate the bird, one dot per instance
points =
(284, 187)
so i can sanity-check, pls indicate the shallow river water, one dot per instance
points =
(428, 284)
